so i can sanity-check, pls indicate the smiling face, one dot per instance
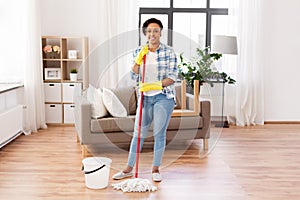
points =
(153, 33)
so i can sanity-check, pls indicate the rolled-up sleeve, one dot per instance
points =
(172, 72)
(134, 76)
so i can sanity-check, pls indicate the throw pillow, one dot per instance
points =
(95, 97)
(127, 97)
(113, 104)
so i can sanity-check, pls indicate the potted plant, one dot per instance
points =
(199, 68)
(73, 74)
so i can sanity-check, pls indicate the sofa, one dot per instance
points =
(117, 130)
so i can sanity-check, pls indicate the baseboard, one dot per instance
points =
(282, 122)
(65, 125)
(10, 139)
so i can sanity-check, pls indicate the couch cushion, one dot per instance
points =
(126, 124)
(112, 124)
(186, 122)
(127, 96)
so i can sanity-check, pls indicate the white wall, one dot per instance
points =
(71, 18)
(281, 43)
(281, 33)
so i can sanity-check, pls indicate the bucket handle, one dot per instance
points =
(89, 172)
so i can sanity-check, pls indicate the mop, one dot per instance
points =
(137, 184)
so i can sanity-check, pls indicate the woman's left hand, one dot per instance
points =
(145, 87)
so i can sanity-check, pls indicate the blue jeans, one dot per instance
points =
(158, 109)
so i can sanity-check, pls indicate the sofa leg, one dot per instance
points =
(205, 143)
(77, 139)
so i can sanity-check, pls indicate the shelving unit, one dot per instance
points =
(59, 89)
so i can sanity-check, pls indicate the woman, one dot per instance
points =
(159, 95)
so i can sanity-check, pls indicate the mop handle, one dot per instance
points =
(140, 122)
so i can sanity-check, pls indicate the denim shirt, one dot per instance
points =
(167, 68)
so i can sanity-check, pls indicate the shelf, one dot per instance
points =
(61, 81)
(52, 80)
(69, 81)
(53, 102)
(72, 60)
(59, 68)
(51, 59)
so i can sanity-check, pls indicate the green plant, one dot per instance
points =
(74, 70)
(199, 68)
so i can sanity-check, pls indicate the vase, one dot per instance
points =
(73, 76)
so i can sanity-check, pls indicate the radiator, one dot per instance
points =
(11, 124)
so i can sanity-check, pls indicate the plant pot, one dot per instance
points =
(73, 76)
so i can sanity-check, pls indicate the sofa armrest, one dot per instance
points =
(83, 115)
(206, 115)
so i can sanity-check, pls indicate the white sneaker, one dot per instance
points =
(156, 177)
(121, 175)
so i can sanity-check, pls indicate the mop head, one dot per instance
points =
(135, 185)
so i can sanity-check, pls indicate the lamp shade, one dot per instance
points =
(224, 44)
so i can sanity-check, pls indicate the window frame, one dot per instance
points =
(209, 12)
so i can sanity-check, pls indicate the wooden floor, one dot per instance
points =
(257, 162)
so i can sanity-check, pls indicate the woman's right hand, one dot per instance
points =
(139, 58)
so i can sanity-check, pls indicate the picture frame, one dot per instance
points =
(52, 73)
(72, 54)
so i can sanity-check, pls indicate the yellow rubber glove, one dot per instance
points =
(139, 58)
(145, 87)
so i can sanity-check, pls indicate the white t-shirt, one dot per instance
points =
(151, 72)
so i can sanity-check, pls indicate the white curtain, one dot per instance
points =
(248, 107)
(110, 62)
(33, 80)
(21, 56)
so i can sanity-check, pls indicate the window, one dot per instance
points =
(12, 52)
(155, 3)
(197, 20)
(189, 3)
(187, 34)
